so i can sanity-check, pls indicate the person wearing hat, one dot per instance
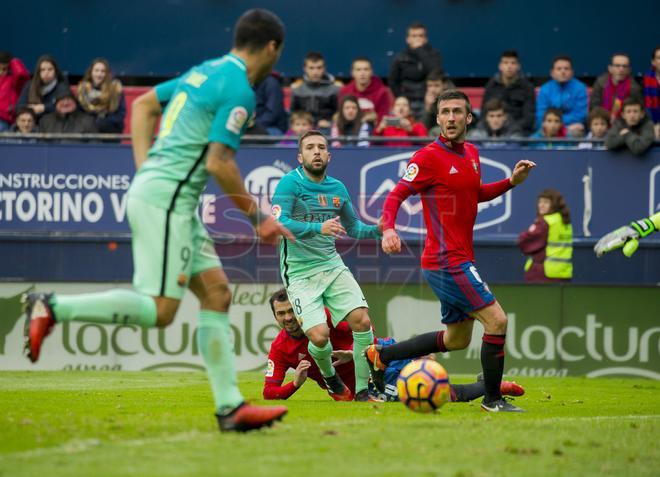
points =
(67, 118)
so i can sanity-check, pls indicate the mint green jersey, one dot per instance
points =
(210, 103)
(302, 205)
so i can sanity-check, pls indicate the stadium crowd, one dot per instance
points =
(618, 112)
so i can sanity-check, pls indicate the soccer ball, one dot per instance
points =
(423, 386)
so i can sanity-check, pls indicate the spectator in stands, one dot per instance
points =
(652, 91)
(101, 96)
(348, 122)
(375, 98)
(551, 127)
(48, 83)
(270, 113)
(565, 93)
(612, 88)
(317, 92)
(400, 123)
(67, 118)
(494, 124)
(299, 123)
(436, 83)
(598, 123)
(26, 121)
(515, 91)
(549, 241)
(13, 76)
(411, 66)
(633, 129)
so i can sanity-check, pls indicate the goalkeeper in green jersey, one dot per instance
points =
(317, 209)
(628, 236)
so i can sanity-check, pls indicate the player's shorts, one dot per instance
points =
(167, 252)
(460, 291)
(335, 289)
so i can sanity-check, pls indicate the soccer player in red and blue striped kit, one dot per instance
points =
(447, 176)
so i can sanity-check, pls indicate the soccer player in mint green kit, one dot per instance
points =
(317, 209)
(207, 112)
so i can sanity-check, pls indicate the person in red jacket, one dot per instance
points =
(375, 98)
(400, 123)
(13, 76)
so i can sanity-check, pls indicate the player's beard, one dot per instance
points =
(315, 171)
(458, 137)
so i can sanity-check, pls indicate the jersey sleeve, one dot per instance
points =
(231, 118)
(165, 91)
(282, 209)
(275, 372)
(354, 226)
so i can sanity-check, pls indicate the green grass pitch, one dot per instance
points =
(97, 424)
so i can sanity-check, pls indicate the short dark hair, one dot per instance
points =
(416, 26)
(554, 111)
(510, 54)
(311, 132)
(619, 53)
(494, 104)
(25, 110)
(280, 295)
(5, 57)
(360, 58)
(598, 113)
(313, 56)
(300, 114)
(454, 94)
(562, 58)
(256, 28)
(632, 101)
(435, 75)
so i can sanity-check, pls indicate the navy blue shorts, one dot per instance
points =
(460, 291)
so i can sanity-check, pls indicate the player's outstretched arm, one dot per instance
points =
(492, 190)
(521, 171)
(355, 228)
(628, 236)
(220, 164)
(145, 112)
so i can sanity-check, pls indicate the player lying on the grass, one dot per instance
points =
(317, 209)
(447, 175)
(289, 351)
(628, 236)
(206, 115)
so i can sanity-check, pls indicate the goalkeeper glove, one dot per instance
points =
(626, 237)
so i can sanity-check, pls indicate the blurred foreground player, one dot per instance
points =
(628, 236)
(447, 175)
(289, 351)
(208, 108)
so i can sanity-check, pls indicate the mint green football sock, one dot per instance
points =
(214, 338)
(361, 341)
(323, 358)
(119, 306)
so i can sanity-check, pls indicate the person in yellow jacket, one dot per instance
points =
(628, 236)
(549, 241)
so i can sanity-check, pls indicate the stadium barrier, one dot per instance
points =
(553, 331)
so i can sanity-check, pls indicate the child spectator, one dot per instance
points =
(551, 127)
(494, 124)
(299, 123)
(317, 92)
(348, 122)
(436, 83)
(598, 123)
(652, 91)
(400, 123)
(612, 88)
(633, 129)
(13, 76)
(101, 96)
(47, 84)
(375, 98)
(26, 121)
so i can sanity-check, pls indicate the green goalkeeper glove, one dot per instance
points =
(626, 237)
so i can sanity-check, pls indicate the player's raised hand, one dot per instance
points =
(521, 171)
(342, 356)
(270, 230)
(300, 374)
(391, 242)
(333, 227)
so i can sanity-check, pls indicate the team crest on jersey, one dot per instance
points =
(336, 202)
(237, 118)
(270, 369)
(276, 211)
(323, 200)
(411, 172)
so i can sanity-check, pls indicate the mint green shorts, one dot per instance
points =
(335, 289)
(168, 249)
